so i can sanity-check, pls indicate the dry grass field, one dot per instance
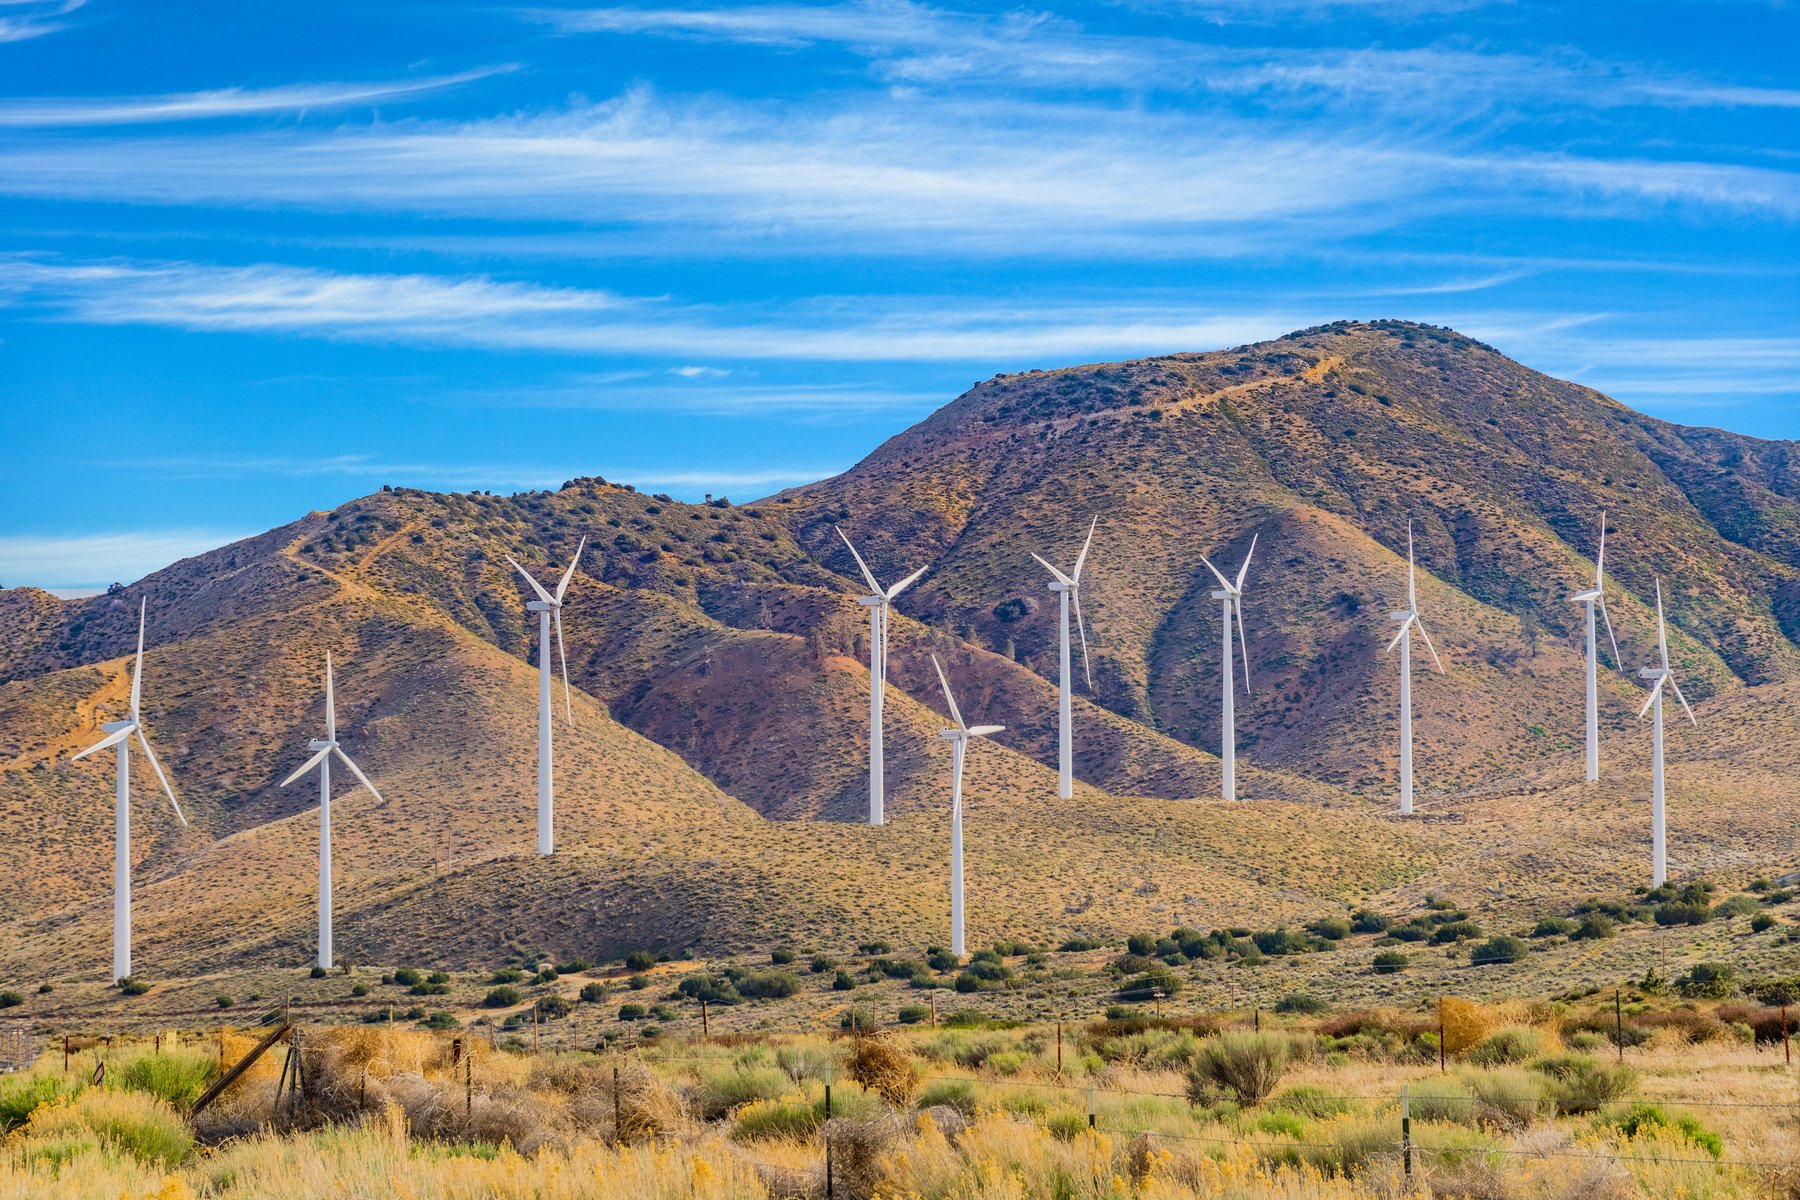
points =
(1532, 1100)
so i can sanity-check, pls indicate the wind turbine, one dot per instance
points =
(1231, 596)
(1659, 844)
(1068, 587)
(1408, 620)
(548, 606)
(119, 734)
(959, 746)
(877, 603)
(1595, 598)
(322, 760)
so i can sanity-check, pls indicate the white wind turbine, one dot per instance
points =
(1068, 587)
(959, 746)
(322, 760)
(877, 603)
(119, 734)
(1595, 598)
(1408, 620)
(1659, 845)
(1231, 596)
(548, 606)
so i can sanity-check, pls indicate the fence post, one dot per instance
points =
(1787, 1052)
(1090, 1093)
(1443, 1051)
(469, 1082)
(618, 1126)
(934, 1008)
(830, 1074)
(1619, 1023)
(1257, 1017)
(1059, 1049)
(66, 1053)
(1406, 1145)
(705, 1025)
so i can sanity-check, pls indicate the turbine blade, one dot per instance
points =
(1434, 655)
(110, 740)
(1684, 704)
(537, 587)
(1662, 629)
(1082, 557)
(1248, 555)
(986, 730)
(160, 777)
(330, 702)
(874, 588)
(955, 714)
(1224, 583)
(306, 766)
(1412, 588)
(137, 670)
(1648, 700)
(1600, 559)
(357, 771)
(1082, 626)
(1404, 626)
(1243, 650)
(907, 582)
(1617, 661)
(568, 704)
(1060, 577)
(569, 574)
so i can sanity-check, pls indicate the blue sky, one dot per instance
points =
(261, 258)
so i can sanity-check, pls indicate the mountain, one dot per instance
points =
(709, 788)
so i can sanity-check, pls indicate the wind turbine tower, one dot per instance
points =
(548, 607)
(959, 748)
(1660, 675)
(1595, 599)
(1068, 589)
(322, 759)
(1408, 620)
(1231, 597)
(119, 735)
(877, 602)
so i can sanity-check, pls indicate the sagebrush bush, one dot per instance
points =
(1506, 1046)
(722, 1091)
(1580, 1085)
(1248, 1065)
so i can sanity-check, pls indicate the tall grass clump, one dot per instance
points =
(133, 1123)
(21, 1095)
(177, 1075)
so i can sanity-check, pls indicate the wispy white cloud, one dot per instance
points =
(1000, 174)
(887, 175)
(507, 315)
(87, 561)
(22, 20)
(926, 44)
(222, 102)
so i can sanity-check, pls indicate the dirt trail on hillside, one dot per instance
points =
(114, 694)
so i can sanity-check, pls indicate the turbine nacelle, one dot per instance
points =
(1591, 596)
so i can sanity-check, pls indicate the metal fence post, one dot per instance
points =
(1406, 1144)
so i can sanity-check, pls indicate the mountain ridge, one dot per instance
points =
(721, 658)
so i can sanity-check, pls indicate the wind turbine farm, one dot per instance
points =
(1426, 374)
